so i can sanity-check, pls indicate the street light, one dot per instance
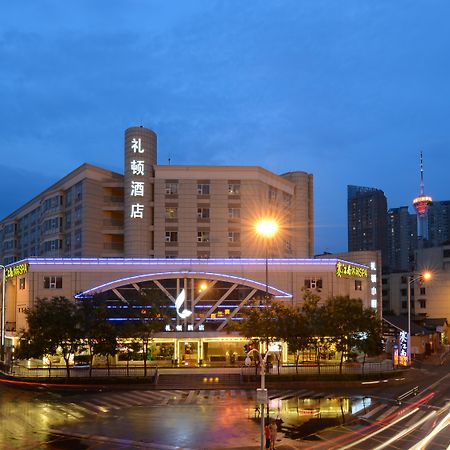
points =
(267, 229)
(261, 394)
(425, 276)
(2, 355)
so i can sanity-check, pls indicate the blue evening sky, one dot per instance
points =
(348, 90)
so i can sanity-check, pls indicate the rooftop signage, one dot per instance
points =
(350, 270)
(15, 271)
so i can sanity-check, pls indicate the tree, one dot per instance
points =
(370, 341)
(147, 314)
(346, 321)
(53, 327)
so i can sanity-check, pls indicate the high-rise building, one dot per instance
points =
(367, 220)
(402, 239)
(438, 223)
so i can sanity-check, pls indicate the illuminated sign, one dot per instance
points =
(15, 271)
(350, 270)
(137, 187)
(189, 327)
(403, 348)
(179, 302)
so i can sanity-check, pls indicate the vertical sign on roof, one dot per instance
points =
(137, 187)
(140, 158)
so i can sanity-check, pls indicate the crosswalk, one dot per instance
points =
(91, 405)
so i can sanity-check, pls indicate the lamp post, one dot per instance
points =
(426, 276)
(267, 229)
(2, 356)
(261, 394)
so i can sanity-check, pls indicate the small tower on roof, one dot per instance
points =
(421, 203)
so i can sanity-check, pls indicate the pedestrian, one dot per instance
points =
(273, 434)
(267, 435)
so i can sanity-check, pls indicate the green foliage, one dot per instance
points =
(53, 328)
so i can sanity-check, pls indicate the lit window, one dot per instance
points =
(234, 189)
(171, 213)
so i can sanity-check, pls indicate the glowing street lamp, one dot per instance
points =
(267, 229)
(425, 276)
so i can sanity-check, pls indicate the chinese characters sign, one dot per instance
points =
(350, 270)
(137, 187)
(15, 271)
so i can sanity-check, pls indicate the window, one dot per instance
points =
(78, 214)
(171, 212)
(272, 194)
(69, 195)
(202, 236)
(288, 246)
(68, 241)
(171, 236)
(423, 291)
(78, 191)
(78, 238)
(446, 252)
(422, 303)
(358, 285)
(403, 292)
(203, 255)
(52, 282)
(171, 188)
(203, 188)
(234, 236)
(171, 255)
(287, 199)
(234, 213)
(403, 279)
(21, 283)
(314, 283)
(54, 244)
(68, 219)
(203, 213)
(234, 189)
(404, 305)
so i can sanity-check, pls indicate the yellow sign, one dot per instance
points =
(350, 270)
(15, 271)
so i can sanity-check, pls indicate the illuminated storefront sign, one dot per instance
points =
(189, 327)
(403, 349)
(350, 270)
(15, 271)
(137, 187)
(373, 285)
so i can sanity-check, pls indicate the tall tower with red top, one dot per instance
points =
(420, 204)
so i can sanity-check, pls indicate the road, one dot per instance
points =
(218, 418)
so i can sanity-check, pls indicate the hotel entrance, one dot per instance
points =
(188, 351)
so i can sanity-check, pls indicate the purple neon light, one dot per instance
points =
(149, 276)
(176, 261)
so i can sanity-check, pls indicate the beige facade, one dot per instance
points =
(232, 283)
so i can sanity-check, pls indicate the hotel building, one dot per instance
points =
(171, 228)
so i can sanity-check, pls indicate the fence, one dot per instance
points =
(325, 369)
(83, 371)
